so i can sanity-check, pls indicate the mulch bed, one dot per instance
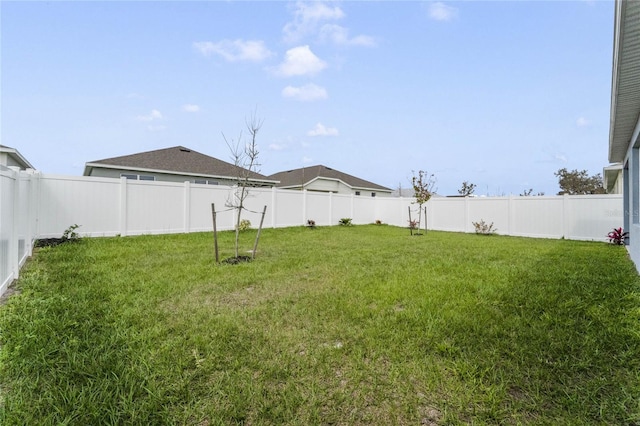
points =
(49, 242)
(236, 260)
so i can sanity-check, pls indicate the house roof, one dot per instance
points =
(294, 178)
(175, 160)
(17, 157)
(625, 84)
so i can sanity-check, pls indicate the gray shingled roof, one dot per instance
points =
(175, 160)
(295, 177)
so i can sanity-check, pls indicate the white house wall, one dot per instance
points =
(324, 185)
(331, 185)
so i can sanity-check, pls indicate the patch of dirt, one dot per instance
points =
(431, 416)
(11, 290)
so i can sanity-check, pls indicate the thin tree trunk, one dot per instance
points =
(410, 224)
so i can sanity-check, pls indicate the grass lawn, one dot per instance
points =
(340, 325)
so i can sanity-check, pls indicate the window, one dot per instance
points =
(357, 192)
(373, 194)
(205, 182)
(137, 177)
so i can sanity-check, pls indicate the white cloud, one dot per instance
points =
(235, 50)
(300, 61)
(157, 128)
(560, 157)
(307, 17)
(309, 92)
(153, 115)
(582, 122)
(276, 147)
(190, 108)
(441, 12)
(340, 35)
(321, 130)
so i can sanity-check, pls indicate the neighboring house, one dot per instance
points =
(325, 179)
(10, 157)
(613, 178)
(624, 140)
(176, 164)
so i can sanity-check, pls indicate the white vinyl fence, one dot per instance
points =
(34, 205)
(18, 216)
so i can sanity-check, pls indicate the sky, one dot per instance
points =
(501, 94)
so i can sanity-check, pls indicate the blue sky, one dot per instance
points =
(501, 94)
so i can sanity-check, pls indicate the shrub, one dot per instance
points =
(413, 224)
(345, 221)
(244, 225)
(617, 236)
(311, 223)
(378, 222)
(70, 234)
(483, 228)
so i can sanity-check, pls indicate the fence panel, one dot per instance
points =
(18, 192)
(342, 207)
(289, 209)
(155, 208)
(318, 208)
(489, 210)
(444, 214)
(92, 203)
(7, 223)
(592, 217)
(539, 217)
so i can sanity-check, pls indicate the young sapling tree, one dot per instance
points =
(423, 188)
(245, 158)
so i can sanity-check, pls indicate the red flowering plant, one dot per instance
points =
(617, 236)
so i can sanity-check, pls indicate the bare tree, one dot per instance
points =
(245, 158)
(529, 193)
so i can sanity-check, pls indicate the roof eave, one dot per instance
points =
(16, 154)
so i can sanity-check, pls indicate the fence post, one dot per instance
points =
(14, 260)
(304, 206)
(466, 215)
(123, 206)
(32, 215)
(330, 208)
(565, 202)
(187, 206)
(352, 202)
(509, 214)
(274, 210)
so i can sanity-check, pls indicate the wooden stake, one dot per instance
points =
(255, 246)
(425, 220)
(410, 225)
(215, 232)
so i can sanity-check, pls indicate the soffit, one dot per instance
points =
(625, 90)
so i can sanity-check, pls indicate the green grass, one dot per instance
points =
(341, 325)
